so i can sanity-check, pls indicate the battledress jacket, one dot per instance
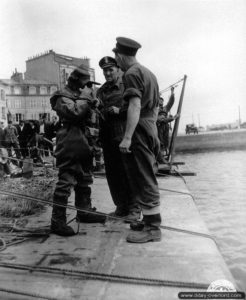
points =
(72, 148)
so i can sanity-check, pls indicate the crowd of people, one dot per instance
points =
(128, 109)
(29, 138)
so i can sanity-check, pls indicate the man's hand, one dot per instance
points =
(125, 145)
(176, 116)
(113, 110)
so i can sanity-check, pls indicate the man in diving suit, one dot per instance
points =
(74, 156)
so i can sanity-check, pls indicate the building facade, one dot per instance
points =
(3, 104)
(27, 99)
(54, 67)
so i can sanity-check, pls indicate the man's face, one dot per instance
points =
(111, 74)
(120, 61)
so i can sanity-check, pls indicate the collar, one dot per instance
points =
(74, 93)
(109, 85)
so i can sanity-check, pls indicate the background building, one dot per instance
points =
(54, 67)
(3, 105)
(29, 97)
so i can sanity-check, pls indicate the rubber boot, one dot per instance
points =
(90, 217)
(59, 220)
(149, 232)
(83, 201)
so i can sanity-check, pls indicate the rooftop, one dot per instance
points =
(25, 82)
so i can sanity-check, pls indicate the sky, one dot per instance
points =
(204, 39)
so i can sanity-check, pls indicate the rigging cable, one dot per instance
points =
(106, 277)
(31, 198)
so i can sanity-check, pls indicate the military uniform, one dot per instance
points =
(112, 128)
(141, 84)
(163, 127)
(141, 162)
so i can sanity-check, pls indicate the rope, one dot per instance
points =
(177, 192)
(18, 292)
(3, 246)
(31, 198)
(107, 277)
(182, 177)
(172, 85)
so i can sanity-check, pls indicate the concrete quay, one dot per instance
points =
(98, 248)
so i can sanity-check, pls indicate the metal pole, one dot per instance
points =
(176, 124)
(239, 117)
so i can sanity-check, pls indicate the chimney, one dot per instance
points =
(17, 76)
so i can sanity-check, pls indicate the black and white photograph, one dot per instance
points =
(122, 149)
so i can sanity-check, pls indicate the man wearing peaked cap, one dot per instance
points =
(107, 61)
(140, 144)
(111, 132)
(126, 46)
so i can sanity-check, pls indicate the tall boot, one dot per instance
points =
(59, 220)
(147, 231)
(83, 201)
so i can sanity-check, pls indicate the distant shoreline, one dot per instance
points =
(212, 141)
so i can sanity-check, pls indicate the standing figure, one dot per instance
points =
(112, 127)
(2, 144)
(23, 131)
(163, 121)
(54, 127)
(11, 140)
(73, 153)
(140, 144)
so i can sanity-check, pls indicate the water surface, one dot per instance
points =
(220, 192)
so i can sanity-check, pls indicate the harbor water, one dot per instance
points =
(219, 188)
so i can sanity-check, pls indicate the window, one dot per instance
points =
(18, 117)
(4, 113)
(43, 90)
(33, 103)
(17, 103)
(43, 102)
(17, 90)
(2, 95)
(32, 90)
(53, 89)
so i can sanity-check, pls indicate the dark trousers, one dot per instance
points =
(141, 164)
(68, 179)
(115, 172)
(23, 148)
(16, 149)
